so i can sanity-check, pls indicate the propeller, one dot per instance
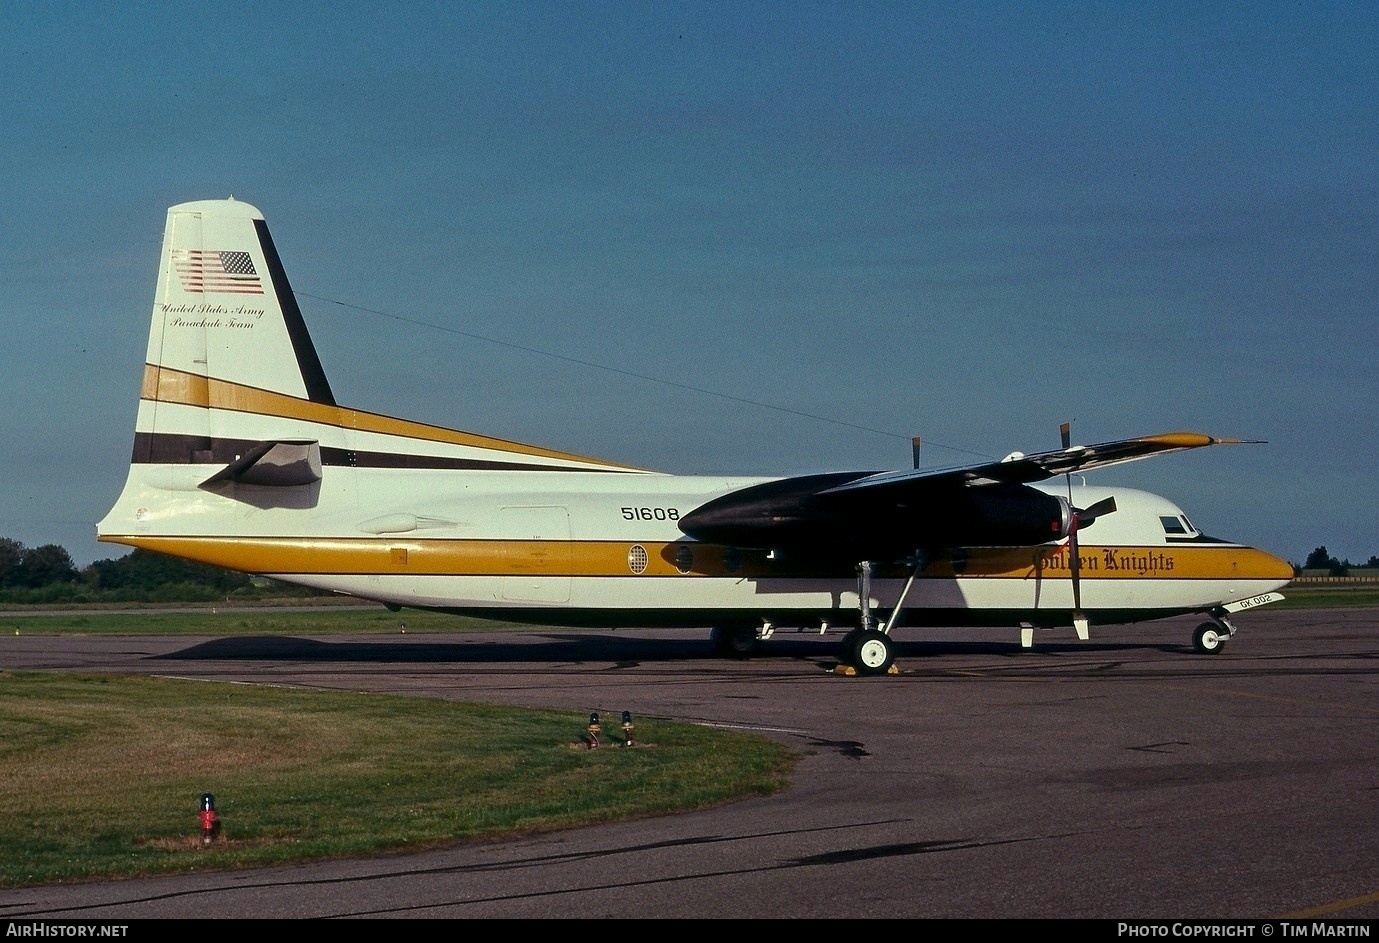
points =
(1078, 517)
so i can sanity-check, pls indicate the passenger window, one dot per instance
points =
(1173, 526)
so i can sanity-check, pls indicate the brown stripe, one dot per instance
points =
(168, 449)
(164, 385)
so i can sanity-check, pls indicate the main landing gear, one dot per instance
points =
(866, 650)
(1210, 637)
(738, 641)
(869, 649)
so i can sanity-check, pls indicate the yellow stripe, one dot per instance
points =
(1183, 440)
(365, 555)
(164, 385)
(438, 557)
(174, 386)
(1115, 563)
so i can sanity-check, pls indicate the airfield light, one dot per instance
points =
(210, 823)
(627, 728)
(594, 728)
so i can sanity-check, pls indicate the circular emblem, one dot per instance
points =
(636, 558)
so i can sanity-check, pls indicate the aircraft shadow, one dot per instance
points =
(584, 647)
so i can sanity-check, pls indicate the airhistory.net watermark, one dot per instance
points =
(38, 929)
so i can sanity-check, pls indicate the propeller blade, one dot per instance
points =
(1075, 569)
(1079, 516)
(1075, 563)
(1100, 509)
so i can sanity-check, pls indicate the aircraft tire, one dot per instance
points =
(1208, 640)
(873, 653)
(735, 641)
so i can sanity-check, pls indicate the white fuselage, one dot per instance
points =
(600, 548)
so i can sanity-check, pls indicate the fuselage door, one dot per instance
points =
(537, 554)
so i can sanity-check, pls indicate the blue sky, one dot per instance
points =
(756, 238)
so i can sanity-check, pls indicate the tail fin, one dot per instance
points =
(226, 332)
(235, 408)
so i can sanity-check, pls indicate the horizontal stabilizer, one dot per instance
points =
(273, 464)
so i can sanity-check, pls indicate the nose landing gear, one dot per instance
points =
(1210, 637)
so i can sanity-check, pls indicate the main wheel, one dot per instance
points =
(735, 641)
(873, 653)
(1208, 640)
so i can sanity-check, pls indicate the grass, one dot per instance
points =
(101, 776)
(1327, 596)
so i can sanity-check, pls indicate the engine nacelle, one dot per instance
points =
(881, 523)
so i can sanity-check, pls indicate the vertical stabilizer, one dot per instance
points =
(224, 310)
(226, 330)
(237, 429)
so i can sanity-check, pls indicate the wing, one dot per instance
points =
(1020, 468)
(881, 515)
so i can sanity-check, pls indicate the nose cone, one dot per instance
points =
(1263, 569)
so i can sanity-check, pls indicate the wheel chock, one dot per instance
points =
(848, 671)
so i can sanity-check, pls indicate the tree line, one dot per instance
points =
(1319, 559)
(47, 574)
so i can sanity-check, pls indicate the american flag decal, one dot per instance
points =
(206, 271)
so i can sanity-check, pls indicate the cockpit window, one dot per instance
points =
(1173, 526)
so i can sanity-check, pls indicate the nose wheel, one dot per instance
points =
(1210, 637)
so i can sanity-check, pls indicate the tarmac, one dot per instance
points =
(1123, 778)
